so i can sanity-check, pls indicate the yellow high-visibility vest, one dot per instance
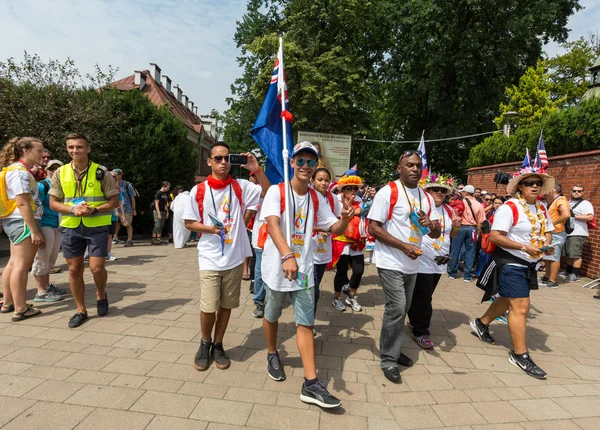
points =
(92, 195)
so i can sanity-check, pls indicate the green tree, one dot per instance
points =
(532, 97)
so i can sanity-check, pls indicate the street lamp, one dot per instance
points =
(510, 122)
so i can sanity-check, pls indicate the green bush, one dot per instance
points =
(574, 129)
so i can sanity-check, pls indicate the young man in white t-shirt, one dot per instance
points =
(397, 253)
(583, 212)
(221, 249)
(294, 277)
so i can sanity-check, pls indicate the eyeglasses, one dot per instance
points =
(350, 188)
(537, 183)
(411, 152)
(439, 190)
(302, 161)
(220, 158)
(577, 191)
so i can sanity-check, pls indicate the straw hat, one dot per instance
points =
(548, 181)
(438, 180)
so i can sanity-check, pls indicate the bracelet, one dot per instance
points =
(257, 172)
(71, 210)
(286, 257)
(455, 228)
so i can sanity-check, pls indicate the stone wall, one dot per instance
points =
(570, 169)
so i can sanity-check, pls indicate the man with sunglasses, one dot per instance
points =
(472, 217)
(216, 209)
(583, 211)
(294, 275)
(394, 224)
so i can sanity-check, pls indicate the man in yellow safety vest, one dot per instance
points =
(84, 193)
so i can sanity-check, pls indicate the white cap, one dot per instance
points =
(469, 189)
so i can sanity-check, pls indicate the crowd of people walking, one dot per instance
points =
(421, 228)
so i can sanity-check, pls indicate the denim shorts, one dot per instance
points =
(558, 240)
(513, 282)
(303, 302)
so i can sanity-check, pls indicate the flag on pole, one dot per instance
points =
(541, 158)
(527, 160)
(423, 156)
(267, 130)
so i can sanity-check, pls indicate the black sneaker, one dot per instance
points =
(550, 284)
(128, 244)
(482, 331)
(274, 367)
(526, 364)
(544, 279)
(318, 395)
(202, 359)
(218, 354)
(259, 311)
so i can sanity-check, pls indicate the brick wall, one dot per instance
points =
(570, 169)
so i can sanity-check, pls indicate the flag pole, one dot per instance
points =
(285, 153)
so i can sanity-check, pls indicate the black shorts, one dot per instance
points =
(75, 241)
(112, 228)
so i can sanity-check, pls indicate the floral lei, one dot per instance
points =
(538, 224)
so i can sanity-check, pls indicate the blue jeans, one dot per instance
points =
(259, 286)
(465, 237)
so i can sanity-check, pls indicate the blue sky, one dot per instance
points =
(191, 40)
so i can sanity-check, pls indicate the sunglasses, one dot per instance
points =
(488, 200)
(350, 188)
(537, 183)
(220, 158)
(411, 152)
(301, 162)
(439, 190)
(577, 191)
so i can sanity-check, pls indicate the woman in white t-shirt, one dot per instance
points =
(320, 182)
(434, 260)
(522, 234)
(21, 223)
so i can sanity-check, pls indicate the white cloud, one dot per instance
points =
(192, 41)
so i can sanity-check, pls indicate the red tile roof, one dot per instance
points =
(159, 96)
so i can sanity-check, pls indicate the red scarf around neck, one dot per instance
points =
(217, 184)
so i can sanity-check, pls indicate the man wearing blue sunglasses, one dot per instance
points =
(294, 275)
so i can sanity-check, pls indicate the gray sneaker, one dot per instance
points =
(550, 284)
(48, 297)
(128, 244)
(57, 291)
(353, 303)
(259, 311)
(338, 304)
(572, 277)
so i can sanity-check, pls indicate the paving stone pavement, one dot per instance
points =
(133, 368)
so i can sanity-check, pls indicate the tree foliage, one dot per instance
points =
(573, 129)
(49, 100)
(389, 69)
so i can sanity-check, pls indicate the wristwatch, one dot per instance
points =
(95, 211)
(523, 249)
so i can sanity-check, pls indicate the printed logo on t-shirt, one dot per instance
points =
(228, 222)
(298, 233)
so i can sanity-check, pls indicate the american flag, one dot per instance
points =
(541, 158)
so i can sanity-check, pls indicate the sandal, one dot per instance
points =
(31, 311)
(7, 308)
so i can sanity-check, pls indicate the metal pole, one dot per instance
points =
(285, 153)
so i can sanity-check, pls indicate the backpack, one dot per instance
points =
(394, 199)
(135, 191)
(201, 189)
(487, 246)
(7, 206)
(263, 232)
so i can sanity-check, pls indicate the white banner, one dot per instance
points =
(335, 150)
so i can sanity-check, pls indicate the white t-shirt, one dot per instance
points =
(503, 221)
(224, 205)
(20, 181)
(400, 226)
(323, 249)
(302, 243)
(583, 208)
(257, 223)
(437, 247)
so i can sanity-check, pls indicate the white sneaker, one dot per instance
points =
(111, 257)
(353, 303)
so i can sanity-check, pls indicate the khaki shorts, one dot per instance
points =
(220, 288)
(126, 220)
(574, 246)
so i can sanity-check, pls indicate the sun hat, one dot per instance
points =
(346, 181)
(518, 176)
(438, 180)
(53, 162)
